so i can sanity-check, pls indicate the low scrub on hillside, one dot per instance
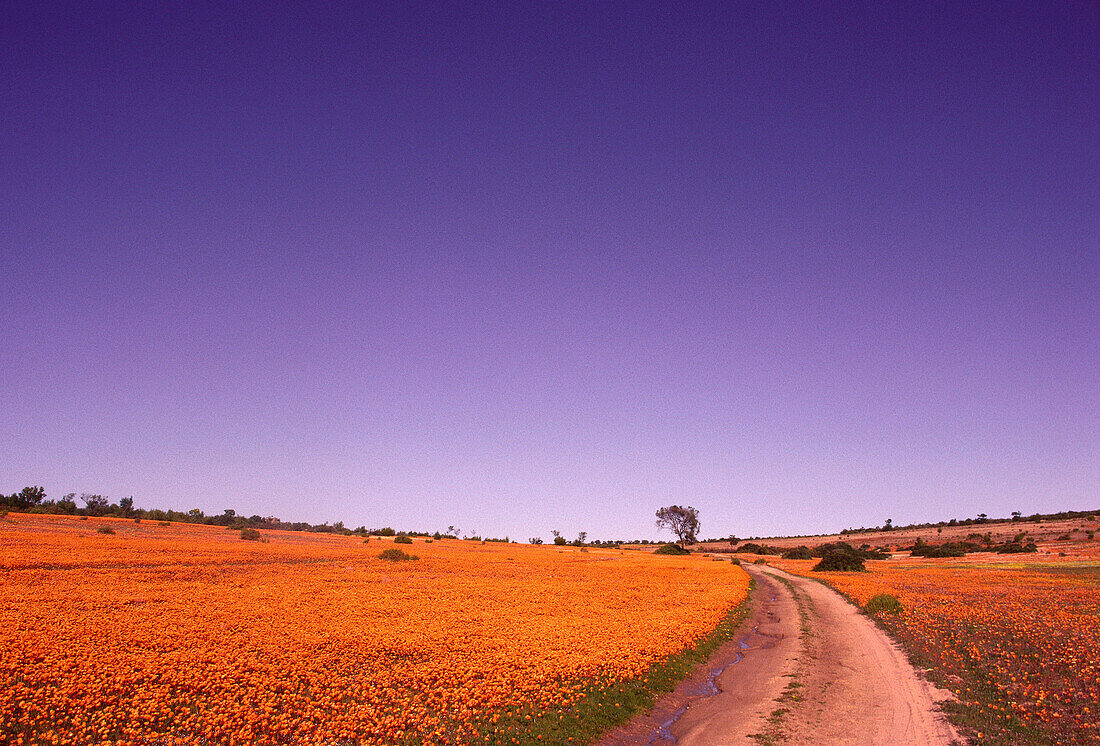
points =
(397, 555)
(1017, 548)
(962, 548)
(865, 552)
(948, 549)
(754, 548)
(801, 553)
(671, 549)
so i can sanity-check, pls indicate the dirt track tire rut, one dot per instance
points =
(807, 667)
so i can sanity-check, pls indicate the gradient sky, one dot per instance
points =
(527, 267)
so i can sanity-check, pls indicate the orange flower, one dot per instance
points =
(183, 633)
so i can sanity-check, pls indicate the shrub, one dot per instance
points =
(137, 520)
(802, 553)
(1018, 548)
(250, 534)
(367, 540)
(402, 540)
(1064, 537)
(428, 541)
(760, 561)
(947, 550)
(165, 523)
(105, 530)
(840, 561)
(754, 548)
(83, 517)
(735, 561)
(883, 602)
(950, 549)
(397, 555)
(671, 549)
(845, 548)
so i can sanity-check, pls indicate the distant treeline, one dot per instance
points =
(34, 500)
(981, 519)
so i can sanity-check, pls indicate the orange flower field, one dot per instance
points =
(1018, 642)
(186, 634)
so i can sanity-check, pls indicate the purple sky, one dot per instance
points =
(801, 266)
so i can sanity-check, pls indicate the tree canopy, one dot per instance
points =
(680, 520)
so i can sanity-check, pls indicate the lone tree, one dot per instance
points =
(682, 521)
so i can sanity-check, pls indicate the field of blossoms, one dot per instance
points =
(1018, 642)
(180, 634)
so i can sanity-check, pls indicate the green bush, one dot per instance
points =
(754, 548)
(840, 561)
(671, 549)
(397, 555)
(883, 602)
(735, 561)
(1017, 548)
(802, 553)
(844, 547)
(402, 540)
(760, 561)
(250, 534)
(949, 549)
(165, 523)
(105, 530)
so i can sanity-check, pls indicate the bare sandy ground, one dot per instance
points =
(807, 668)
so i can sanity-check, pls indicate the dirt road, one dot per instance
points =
(808, 668)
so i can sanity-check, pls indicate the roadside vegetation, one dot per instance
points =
(1017, 644)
